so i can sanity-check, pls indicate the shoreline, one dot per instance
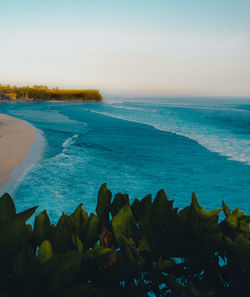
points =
(21, 146)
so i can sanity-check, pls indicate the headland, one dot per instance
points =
(43, 93)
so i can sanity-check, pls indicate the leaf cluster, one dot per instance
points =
(144, 248)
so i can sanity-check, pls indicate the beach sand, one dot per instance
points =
(16, 137)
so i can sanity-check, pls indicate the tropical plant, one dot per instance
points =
(147, 248)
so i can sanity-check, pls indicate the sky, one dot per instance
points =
(140, 47)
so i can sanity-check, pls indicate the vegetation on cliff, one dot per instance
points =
(41, 93)
(147, 248)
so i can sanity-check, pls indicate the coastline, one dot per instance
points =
(21, 146)
(48, 101)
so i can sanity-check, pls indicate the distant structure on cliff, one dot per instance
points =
(43, 93)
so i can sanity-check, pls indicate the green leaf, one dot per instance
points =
(160, 210)
(135, 207)
(195, 204)
(79, 219)
(163, 213)
(103, 205)
(244, 226)
(61, 236)
(232, 221)
(41, 227)
(119, 201)
(25, 215)
(210, 220)
(91, 232)
(142, 211)
(235, 211)
(210, 223)
(14, 233)
(238, 213)
(99, 253)
(166, 227)
(124, 227)
(45, 252)
(124, 224)
(213, 212)
(77, 243)
(226, 209)
(7, 206)
(62, 270)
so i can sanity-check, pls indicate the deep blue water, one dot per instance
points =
(138, 146)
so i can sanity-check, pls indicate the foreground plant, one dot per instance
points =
(147, 248)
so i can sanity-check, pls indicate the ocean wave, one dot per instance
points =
(114, 102)
(133, 108)
(215, 140)
(69, 141)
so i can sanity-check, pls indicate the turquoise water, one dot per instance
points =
(138, 146)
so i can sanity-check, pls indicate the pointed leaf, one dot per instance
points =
(226, 209)
(213, 212)
(103, 205)
(162, 213)
(79, 219)
(195, 204)
(119, 201)
(143, 214)
(25, 215)
(61, 236)
(7, 206)
(41, 227)
(91, 232)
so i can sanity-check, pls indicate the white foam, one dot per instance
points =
(69, 141)
(133, 108)
(214, 139)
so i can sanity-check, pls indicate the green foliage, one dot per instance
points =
(38, 92)
(143, 249)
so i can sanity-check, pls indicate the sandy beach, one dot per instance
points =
(16, 137)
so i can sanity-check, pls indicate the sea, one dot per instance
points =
(137, 146)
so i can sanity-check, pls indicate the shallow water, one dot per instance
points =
(138, 146)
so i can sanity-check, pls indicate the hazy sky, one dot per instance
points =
(172, 47)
